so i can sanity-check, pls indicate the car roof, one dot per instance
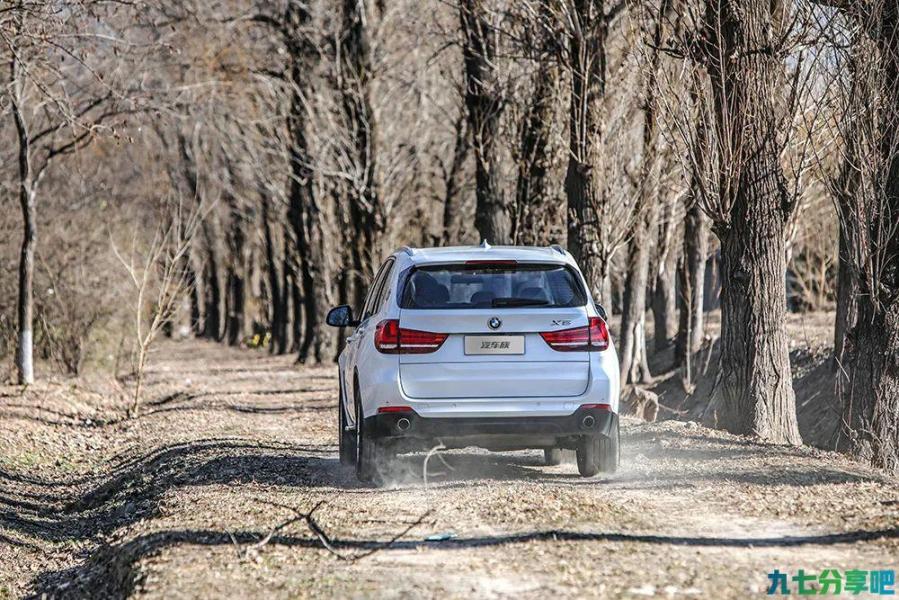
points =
(452, 254)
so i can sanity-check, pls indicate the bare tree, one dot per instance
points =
(533, 190)
(59, 103)
(748, 97)
(633, 357)
(845, 189)
(159, 282)
(308, 269)
(354, 82)
(695, 248)
(665, 260)
(692, 282)
(587, 63)
(484, 104)
(868, 206)
(754, 391)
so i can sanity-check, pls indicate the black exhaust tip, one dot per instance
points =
(588, 422)
(403, 424)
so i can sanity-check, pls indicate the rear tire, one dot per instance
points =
(373, 457)
(346, 439)
(610, 451)
(552, 456)
(598, 453)
(587, 456)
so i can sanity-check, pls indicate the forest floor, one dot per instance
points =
(186, 501)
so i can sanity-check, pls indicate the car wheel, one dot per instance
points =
(587, 455)
(370, 453)
(552, 456)
(346, 439)
(609, 451)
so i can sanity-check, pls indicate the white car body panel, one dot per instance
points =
(449, 383)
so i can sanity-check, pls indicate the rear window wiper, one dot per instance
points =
(497, 302)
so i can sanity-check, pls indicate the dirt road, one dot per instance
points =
(186, 501)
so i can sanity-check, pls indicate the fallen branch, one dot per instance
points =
(327, 542)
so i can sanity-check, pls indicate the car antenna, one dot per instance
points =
(485, 245)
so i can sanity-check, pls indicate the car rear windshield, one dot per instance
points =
(493, 286)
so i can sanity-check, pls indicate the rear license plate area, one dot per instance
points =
(494, 344)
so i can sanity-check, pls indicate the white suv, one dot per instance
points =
(497, 347)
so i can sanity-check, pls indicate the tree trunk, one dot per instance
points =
(847, 284)
(632, 338)
(484, 103)
(212, 297)
(692, 285)
(236, 283)
(196, 315)
(664, 289)
(847, 305)
(664, 302)
(582, 186)
(277, 294)
(634, 363)
(25, 352)
(296, 304)
(212, 311)
(532, 188)
(365, 204)
(28, 203)
(307, 224)
(314, 279)
(871, 396)
(236, 306)
(452, 200)
(754, 388)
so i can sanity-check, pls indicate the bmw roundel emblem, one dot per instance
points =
(494, 323)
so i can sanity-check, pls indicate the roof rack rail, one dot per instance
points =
(558, 249)
(407, 250)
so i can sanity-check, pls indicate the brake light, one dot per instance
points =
(390, 338)
(603, 407)
(592, 338)
(489, 263)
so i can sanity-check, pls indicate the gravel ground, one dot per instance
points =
(204, 494)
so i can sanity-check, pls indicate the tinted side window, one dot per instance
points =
(364, 312)
(375, 289)
(384, 289)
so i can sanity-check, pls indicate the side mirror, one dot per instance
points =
(602, 312)
(341, 316)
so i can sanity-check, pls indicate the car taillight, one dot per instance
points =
(390, 338)
(603, 407)
(393, 409)
(593, 338)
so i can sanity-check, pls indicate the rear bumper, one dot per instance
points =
(409, 425)
(380, 386)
